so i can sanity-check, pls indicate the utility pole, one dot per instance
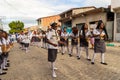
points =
(1, 24)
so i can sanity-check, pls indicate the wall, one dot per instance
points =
(116, 34)
(46, 21)
(115, 3)
(117, 28)
(89, 18)
(95, 17)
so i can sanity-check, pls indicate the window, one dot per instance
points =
(110, 16)
(118, 25)
(93, 24)
(118, 15)
(118, 22)
(79, 26)
(39, 22)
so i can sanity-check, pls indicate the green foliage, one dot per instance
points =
(16, 26)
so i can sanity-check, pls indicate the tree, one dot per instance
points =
(16, 26)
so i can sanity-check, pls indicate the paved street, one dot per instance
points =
(34, 66)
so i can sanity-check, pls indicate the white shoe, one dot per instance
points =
(54, 74)
(55, 68)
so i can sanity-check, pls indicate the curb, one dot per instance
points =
(113, 44)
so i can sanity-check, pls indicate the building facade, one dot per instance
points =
(91, 18)
(44, 22)
(115, 4)
(89, 15)
(66, 17)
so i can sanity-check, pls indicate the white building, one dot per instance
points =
(115, 5)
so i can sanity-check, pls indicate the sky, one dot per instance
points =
(28, 11)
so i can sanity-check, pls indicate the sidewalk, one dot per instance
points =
(113, 44)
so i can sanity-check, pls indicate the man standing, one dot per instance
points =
(52, 40)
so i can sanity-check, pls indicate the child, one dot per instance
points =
(92, 39)
(64, 38)
(26, 41)
(75, 35)
(84, 37)
(100, 34)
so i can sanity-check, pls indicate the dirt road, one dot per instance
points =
(34, 66)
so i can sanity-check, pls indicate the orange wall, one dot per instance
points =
(46, 21)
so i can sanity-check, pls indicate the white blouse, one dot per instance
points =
(53, 37)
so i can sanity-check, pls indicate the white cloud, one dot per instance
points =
(40, 8)
(30, 10)
(26, 8)
(81, 1)
(98, 3)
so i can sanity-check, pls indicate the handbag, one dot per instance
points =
(8, 48)
(3, 48)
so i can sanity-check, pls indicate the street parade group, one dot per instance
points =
(57, 40)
